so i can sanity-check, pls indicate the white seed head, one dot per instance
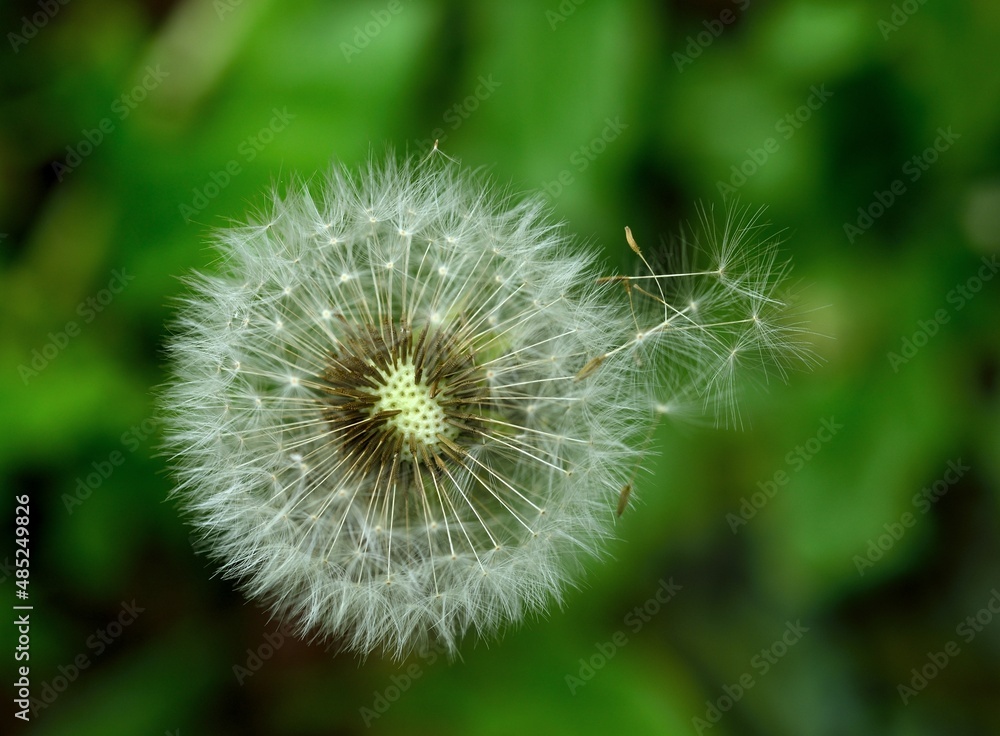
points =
(377, 410)
(408, 407)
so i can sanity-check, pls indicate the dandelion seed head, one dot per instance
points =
(403, 448)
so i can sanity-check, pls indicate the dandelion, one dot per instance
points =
(405, 407)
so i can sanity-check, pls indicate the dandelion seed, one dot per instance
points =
(421, 426)
(713, 314)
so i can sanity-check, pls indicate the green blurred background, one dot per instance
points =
(130, 130)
